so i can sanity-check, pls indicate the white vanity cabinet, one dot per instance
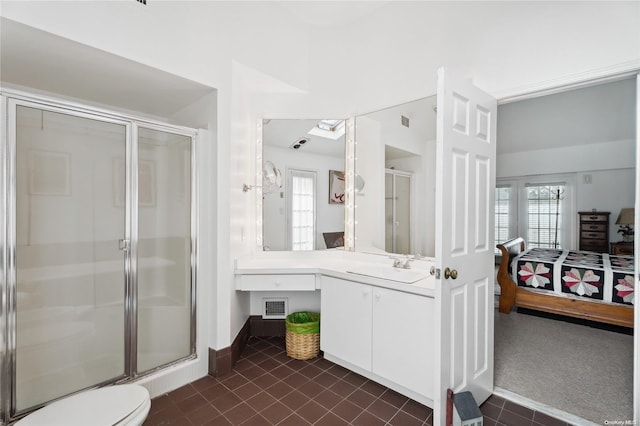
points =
(387, 334)
(403, 342)
(345, 320)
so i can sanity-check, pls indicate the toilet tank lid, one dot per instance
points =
(104, 406)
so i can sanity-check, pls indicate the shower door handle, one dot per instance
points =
(123, 245)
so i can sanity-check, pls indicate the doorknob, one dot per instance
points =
(450, 273)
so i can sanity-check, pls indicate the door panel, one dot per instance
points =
(392, 311)
(465, 170)
(459, 202)
(70, 216)
(346, 309)
(164, 248)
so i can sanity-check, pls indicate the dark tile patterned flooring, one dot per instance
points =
(268, 388)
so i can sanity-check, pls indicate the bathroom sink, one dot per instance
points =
(390, 273)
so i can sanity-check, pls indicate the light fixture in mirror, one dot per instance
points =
(307, 211)
(396, 151)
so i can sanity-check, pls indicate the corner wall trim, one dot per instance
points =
(221, 361)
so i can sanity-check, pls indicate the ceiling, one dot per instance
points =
(282, 133)
(36, 59)
(590, 115)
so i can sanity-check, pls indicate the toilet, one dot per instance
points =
(121, 405)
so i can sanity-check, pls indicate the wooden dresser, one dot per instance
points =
(594, 231)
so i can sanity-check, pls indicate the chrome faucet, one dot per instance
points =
(398, 263)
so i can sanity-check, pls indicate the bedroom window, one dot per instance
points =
(302, 210)
(544, 214)
(503, 212)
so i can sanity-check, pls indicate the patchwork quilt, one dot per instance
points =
(581, 274)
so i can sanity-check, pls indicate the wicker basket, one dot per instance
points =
(303, 335)
(303, 346)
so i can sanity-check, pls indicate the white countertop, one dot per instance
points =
(341, 264)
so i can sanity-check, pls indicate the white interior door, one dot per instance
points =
(636, 354)
(465, 170)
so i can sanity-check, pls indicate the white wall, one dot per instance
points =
(268, 59)
(611, 168)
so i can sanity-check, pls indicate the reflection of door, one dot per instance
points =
(465, 170)
(301, 210)
(397, 207)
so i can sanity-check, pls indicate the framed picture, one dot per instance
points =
(146, 182)
(49, 173)
(336, 187)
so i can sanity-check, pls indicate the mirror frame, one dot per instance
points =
(349, 203)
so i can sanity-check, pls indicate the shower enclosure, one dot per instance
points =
(98, 249)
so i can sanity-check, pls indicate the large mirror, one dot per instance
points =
(395, 155)
(303, 184)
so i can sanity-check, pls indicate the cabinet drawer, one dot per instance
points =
(594, 235)
(268, 282)
(594, 217)
(594, 227)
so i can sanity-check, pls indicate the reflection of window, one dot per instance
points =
(331, 129)
(302, 190)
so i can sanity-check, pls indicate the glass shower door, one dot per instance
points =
(70, 271)
(402, 206)
(164, 280)
(397, 207)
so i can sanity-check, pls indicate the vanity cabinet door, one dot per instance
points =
(345, 321)
(404, 343)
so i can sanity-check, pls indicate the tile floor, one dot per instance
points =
(268, 388)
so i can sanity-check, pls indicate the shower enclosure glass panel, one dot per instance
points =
(164, 248)
(397, 205)
(70, 272)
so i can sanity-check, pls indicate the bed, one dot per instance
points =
(581, 284)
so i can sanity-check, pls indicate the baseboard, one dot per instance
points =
(221, 361)
(266, 327)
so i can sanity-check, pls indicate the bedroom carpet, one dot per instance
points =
(578, 369)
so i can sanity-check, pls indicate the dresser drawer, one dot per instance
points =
(594, 235)
(276, 282)
(595, 217)
(595, 246)
(594, 227)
